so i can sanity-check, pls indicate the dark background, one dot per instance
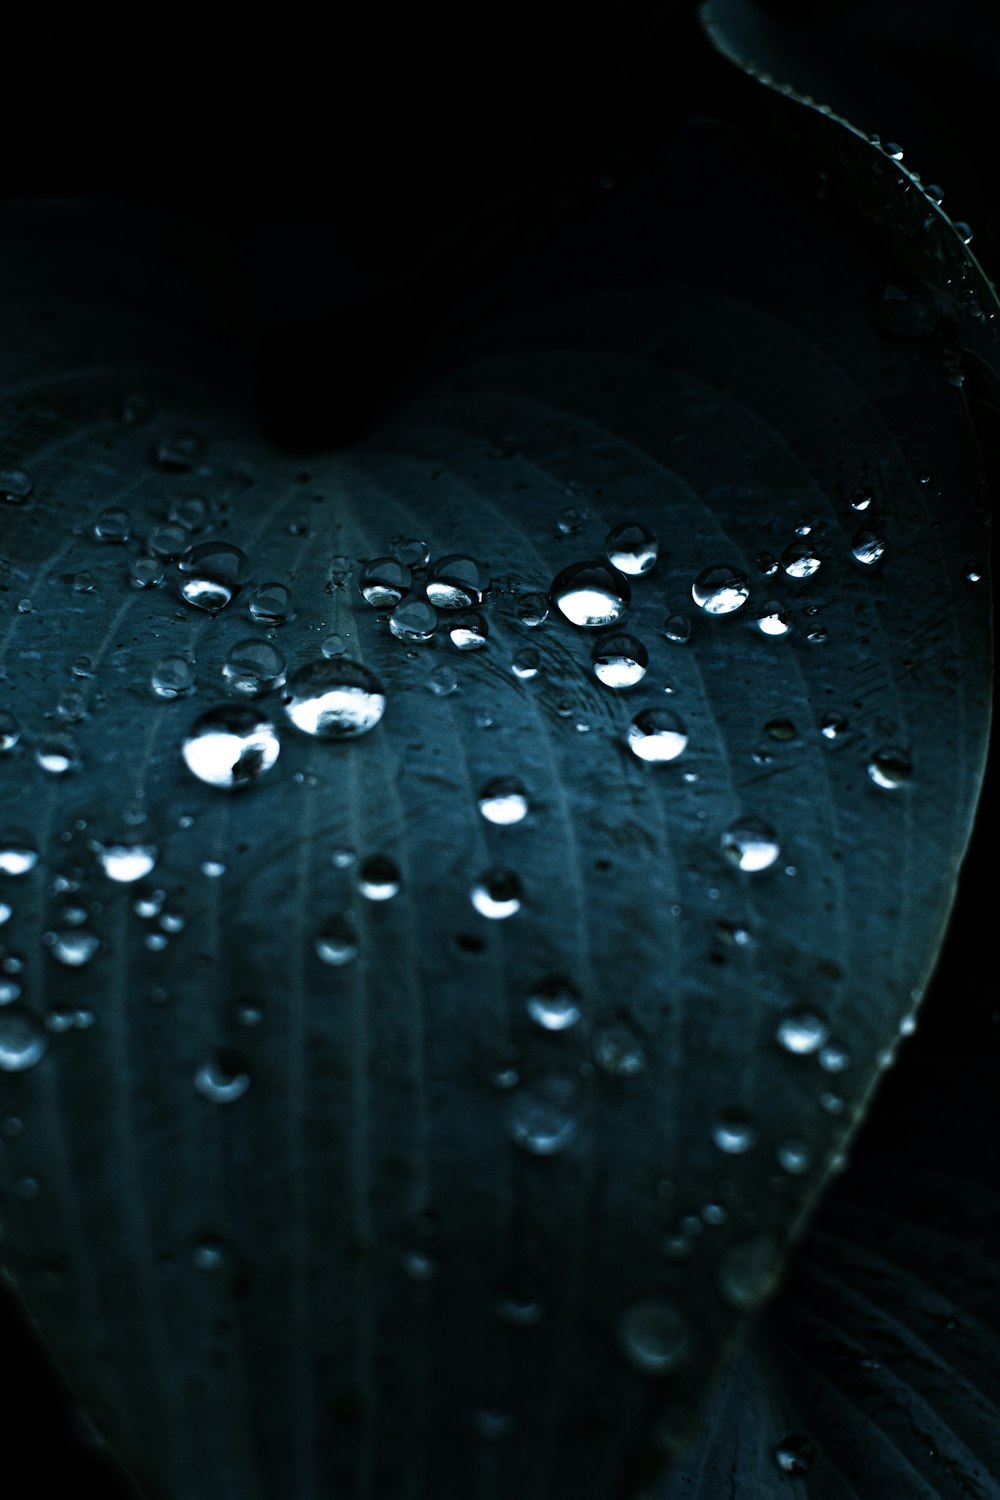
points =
(353, 176)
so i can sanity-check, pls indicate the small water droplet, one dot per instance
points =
(618, 1050)
(867, 547)
(631, 548)
(378, 877)
(620, 661)
(834, 1058)
(223, 1079)
(210, 575)
(23, 1040)
(57, 755)
(334, 699)
(231, 746)
(16, 486)
(213, 869)
(270, 604)
(168, 543)
(497, 894)
(468, 632)
(774, 620)
(443, 680)
(590, 595)
(889, 768)
(720, 590)
(734, 1132)
(18, 851)
(10, 731)
(677, 628)
(83, 583)
(569, 521)
(520, 1302)
(532, 610)
(127, 860)
(6, 911)
(337, 943)
(410, 551)
(457, 582)
(172, 677)
(179, 452)
(748, 1271)
(554, 1004)
(145, 572)
(113, 525)
(190, 512)
(750, 844)
(526, 663)
(414, 620)
(333, 645)
(799, 560)
(657, 735)
(794, 1455)
(503, 801)
(74, 947)
(542, 1117)
(860, 499)
(780, 729)
(654, 1336)
(802, 1032)
(253, 667)
(384, 581)
(766, 563)
(793, 1157)
(962, 230)
(833, 727)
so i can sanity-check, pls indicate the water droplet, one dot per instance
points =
(16, 486)
(794, 1455)
(867, 547)
(334, 699)
(780, 729)
(526, 663)
(962, 230)
(748, 1271)
(333, 645)
(569, 521)
(210, 575)
(542, 1117)
(590, 595)
(83, 583)
(127, 860)
(443, 680)
(337, 943)
(889, 768)
(6, 912)
(532, 610)
(10, 990)
(213, 869)
(74, 947)
(734, 1132)
(554, 1004)
(179, 452)
(232, 746)
(145, 572)
(720, 590)
(253, 667)
(677, 628)
(520, 1302)
(891, 149)
(802, 1032)
(411, 551)
(833, 727)
(657, 735)
(774, 620)
(57, 755)
(800, 560)
(631, 548)
(419, 1266)
(834, 1058)
(618, 1050)
(414, 620)
(18, 851)
(378, 877)
(172, 677)
(384, 581)
(468, 632)
(210, 1255)
(497, 894)
(793, 1157)
(113, 525)
(189, 511)
(10, 731)
(751, 844)
(23, 1040)
(766, 563)
(620, 661)
(168, 543)
(654, 1336)
(223, 1079)
(271, 604)
(503, 801)
(860, 499)
(457, 582)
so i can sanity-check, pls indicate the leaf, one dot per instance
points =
(302, 1254)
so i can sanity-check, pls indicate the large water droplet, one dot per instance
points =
(126, 860)
(721, 589)
(751, 844)
(802, 1032)
(414, 620)
(657, 734)
(232, 746)
(867, 547)
(654, 1336)
(457, 582)
(334, 699)
(497, 894)
(384, 581)
(554, 1004)
(172, 677)
(224, 1078)
(503, 801)
(271, 603)
(23, 1039)
(890, 768)
(542, 1116)
(620, 661)
(590, 595)
(254, 666)
(631, 548)
(337, 943)
(799, 560)
(18, 851)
